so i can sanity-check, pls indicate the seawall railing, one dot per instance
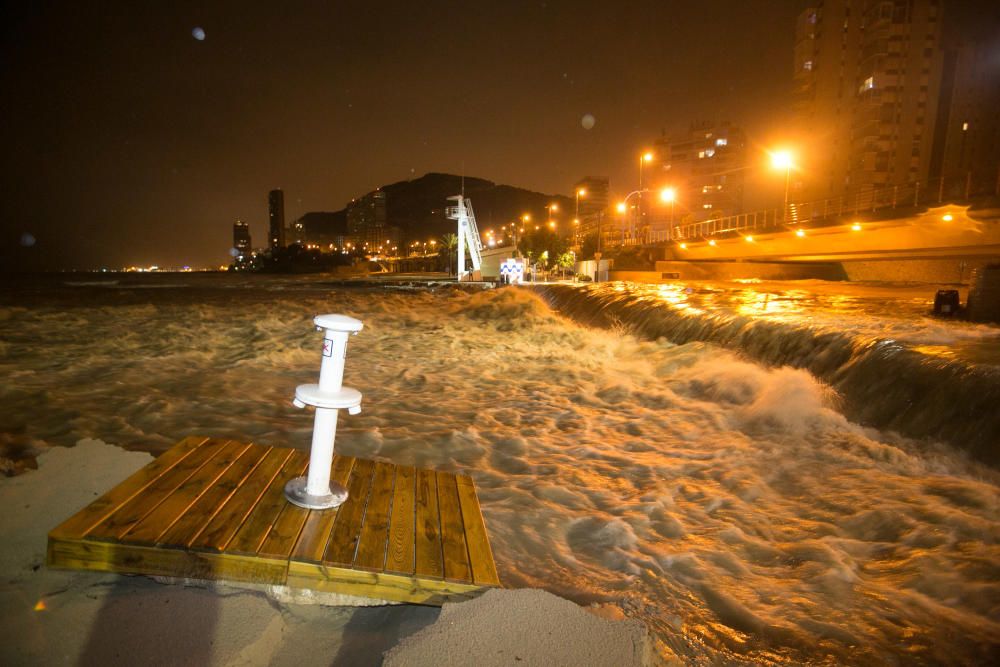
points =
(817, 213)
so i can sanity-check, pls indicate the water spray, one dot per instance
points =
(328, 397)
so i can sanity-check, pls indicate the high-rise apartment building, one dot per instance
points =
(276, 219)
(241, 239)
(368, 226)
(967, 150)
(705, 167)
(867, 84)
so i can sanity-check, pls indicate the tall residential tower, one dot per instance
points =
(867, 82)
(276, 219)
(241, 239)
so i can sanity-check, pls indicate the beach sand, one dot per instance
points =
(57, 617)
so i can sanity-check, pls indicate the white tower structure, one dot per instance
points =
(468, 236)
(328, 397)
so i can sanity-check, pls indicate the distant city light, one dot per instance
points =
(800, 233)
(711, 242)
(856, 226)
(749, 239)
(621, 207)
(684, 246)
(668, 195)
(947, 217)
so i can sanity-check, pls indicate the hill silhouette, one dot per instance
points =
(417, 206)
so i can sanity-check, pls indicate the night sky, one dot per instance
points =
(127, 140)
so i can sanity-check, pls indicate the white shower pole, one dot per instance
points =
(328, 397)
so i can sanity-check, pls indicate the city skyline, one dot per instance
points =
(140, 137)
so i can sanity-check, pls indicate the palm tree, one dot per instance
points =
(448, 248)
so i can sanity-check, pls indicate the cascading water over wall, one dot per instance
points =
(882, 382)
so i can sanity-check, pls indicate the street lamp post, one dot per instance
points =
(669, 195)
(645, 157)
(783, 160)
(597, 255)
(623, 205)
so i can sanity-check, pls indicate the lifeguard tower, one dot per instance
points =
(468, 237)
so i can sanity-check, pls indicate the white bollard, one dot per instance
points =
(315, 491)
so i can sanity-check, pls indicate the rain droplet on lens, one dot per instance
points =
(233, 252)
(198, 33)
(27, 240)
(588, 121)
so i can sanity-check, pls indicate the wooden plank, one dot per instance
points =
(255, 529)
(429, 562)
(375, 531)
(318, 525)
(484, 570)
(220, 530)
(84, 521)
(346, 531)
(456, 554)
(132, 512)
(86, 554)
(191, 523)
(399, 556)
(166, 513)
(284, 532)
(380, 585)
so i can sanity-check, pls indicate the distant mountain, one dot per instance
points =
(417, 206)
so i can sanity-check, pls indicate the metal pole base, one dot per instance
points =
(295, 493)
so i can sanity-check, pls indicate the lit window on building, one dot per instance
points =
(721, 141)
(709, 152)
(706, 206)
(965, 127)
(701, 154)
(807, 65)
(868, 84)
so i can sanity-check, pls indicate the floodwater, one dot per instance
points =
(717, 489)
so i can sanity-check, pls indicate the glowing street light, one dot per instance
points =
(947, 217)
(800, 233)
(856, 227)
(580, 192)
(643, 159)
(669, 195)
(783, 159)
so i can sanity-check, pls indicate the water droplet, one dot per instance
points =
(198, 33)
(27, 240)
(588, 121)
(233, 252)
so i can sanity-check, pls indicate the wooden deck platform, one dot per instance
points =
(215, 509)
